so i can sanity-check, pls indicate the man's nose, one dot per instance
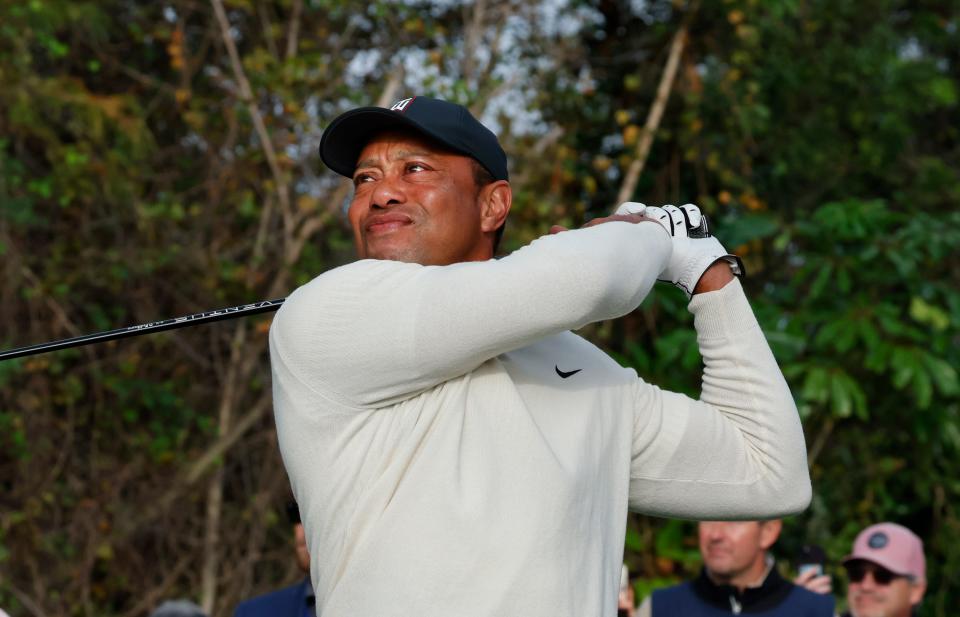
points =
(388, 192)
(714, 533)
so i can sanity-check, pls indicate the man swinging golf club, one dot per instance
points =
(454, 448)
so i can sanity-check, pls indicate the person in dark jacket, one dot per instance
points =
(738, 576)
(297, 600)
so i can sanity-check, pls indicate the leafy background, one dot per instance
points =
(158, 159)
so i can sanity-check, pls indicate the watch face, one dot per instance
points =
(878, 540)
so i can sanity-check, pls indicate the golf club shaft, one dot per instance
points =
(264, 306)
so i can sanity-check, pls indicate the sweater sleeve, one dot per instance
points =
(739, 451)
(374, 332)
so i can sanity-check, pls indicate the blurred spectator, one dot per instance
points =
(297, 600)
(178, 608)
(887, 572)
(738, 576)
(626, 602)
(811, 570)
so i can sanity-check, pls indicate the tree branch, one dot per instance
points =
(24, 599)
(221, 445)
(54, 306)
(820, 441)
(293, 29)
(473, 36)
(630, 179)
(267, 32)
(389, 93)
(211, 539)
(154, 595)
(246, 94)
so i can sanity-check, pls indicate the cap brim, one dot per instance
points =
(349, 133)
(896, 569)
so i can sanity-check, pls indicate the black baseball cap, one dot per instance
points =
(447, 123)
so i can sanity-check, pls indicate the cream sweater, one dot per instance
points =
(444, 466)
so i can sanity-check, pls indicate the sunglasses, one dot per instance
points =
(857, 571)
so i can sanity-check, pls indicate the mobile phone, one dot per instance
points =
(811, 557)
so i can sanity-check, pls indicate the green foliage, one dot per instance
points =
(820, 137)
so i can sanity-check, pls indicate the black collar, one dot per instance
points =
(768, 595)
(307, 595)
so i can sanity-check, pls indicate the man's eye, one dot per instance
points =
(361, 178)
(414, 167)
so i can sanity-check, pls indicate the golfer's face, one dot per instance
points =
(415, 202)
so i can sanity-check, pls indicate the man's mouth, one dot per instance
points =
(387, 223)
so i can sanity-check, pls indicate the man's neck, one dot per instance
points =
(752, 577)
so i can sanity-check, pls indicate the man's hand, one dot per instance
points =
(695, 251)
(815, 582)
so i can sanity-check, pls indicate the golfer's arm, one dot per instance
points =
(375, 332)
(739, 451)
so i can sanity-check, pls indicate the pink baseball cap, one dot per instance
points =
(893, 547)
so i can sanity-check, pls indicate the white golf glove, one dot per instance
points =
(694, 249)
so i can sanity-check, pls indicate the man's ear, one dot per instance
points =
(917, 589)
(495, 201)
(769, 532)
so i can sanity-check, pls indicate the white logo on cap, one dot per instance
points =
(401, 105)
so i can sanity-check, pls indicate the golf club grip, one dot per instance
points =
(263, 306)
